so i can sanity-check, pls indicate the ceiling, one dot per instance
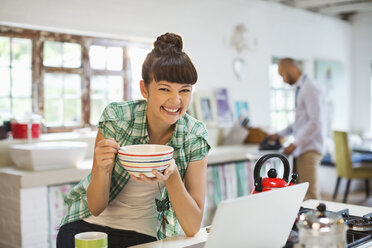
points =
(342, 9)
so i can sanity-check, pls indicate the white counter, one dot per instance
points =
(27, 179)
(183, 241)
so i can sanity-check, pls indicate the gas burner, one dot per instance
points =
(360, 224)
(359, 232)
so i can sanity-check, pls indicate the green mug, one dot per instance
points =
(91, 240)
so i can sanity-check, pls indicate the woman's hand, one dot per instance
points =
(99, 187)
(105, 152)
(172, 168)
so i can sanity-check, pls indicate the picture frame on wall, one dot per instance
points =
(205, 106)
(224, 111)
(241, 110)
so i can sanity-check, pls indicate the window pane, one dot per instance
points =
(97, 106)
(275, 79)
(278, 120)
(71, 111)
(98, 86)
(136, 55)
(4, 51)
(21, 51)
(291, 117)
(5, 82)
(97, 55)
(52, 53)
(280, 100)
(21, 82)
(21, 106)
(114, 57)
(273, 119)
(290, 99)
(115, 88)
(273, 100)
(5, 105)
(72, 85)
(52, 110)
(71, 55)
(53, 85)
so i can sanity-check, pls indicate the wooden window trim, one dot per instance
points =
(38, 38)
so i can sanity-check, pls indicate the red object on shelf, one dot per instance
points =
(19, 130)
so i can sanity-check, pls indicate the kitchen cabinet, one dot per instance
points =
(25, 205)
(56, 209)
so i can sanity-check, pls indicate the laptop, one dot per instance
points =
(259, 220)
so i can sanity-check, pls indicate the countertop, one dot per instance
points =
(183, 241)
(27, 179)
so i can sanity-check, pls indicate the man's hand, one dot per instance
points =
(289, 149)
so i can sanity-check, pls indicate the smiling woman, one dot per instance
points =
(132, 205)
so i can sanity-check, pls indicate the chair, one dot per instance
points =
(345, 167)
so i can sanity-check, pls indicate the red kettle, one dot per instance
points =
(272, 182)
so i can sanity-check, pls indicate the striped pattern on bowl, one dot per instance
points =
(142, 159)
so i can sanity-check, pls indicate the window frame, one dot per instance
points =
(38, 37)
(286, 90)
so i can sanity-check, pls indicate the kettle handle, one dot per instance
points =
(261, 161)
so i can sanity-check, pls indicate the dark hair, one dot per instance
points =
(168, 62)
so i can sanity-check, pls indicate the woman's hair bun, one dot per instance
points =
(168, 42)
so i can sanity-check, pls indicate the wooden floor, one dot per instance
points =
(356, 198)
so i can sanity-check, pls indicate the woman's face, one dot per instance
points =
(166, 101)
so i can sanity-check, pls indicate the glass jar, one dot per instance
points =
(321, 228)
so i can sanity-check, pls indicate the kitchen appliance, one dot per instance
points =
(272, 182)
(358, 233)
(267, 144)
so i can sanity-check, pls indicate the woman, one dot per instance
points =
(135, 210)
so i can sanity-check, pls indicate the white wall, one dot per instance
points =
(206, 26)
(362, 71)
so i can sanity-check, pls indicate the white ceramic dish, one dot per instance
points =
(146, 150)
(47, 155)
(142, 159)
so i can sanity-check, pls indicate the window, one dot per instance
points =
(107, 80)
(62, 85)
(137, 55)
(281, 98)
(15, 75)
(68, 79)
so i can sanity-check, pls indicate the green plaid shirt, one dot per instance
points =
(126, 123)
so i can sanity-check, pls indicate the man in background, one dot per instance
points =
(309, 127)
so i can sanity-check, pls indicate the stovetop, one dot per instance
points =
(359, 233)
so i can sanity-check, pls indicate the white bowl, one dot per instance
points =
(47, 155)
(146, 150)
(142, 159)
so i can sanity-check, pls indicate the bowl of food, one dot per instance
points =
(142, 159)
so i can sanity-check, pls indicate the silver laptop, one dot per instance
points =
(259, 220)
